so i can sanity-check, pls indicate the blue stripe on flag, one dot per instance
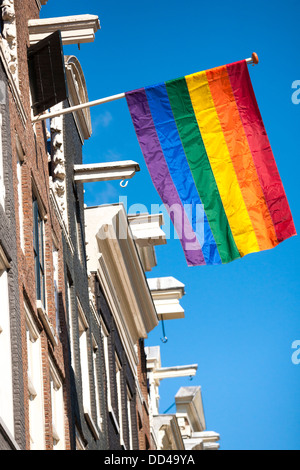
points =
(180, 172)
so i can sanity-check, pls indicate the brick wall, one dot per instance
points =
(8, 243)
(115, 347)
(145, 439)
(35, 179)
(76, 269)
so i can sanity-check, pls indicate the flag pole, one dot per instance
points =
(252, 60)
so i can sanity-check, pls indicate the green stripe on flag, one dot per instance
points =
(198, 161)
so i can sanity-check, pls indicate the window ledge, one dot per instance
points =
(47, 325)
(115, 421)
(91, 424)
(5, 431)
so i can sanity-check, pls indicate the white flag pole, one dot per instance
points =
(252, 60)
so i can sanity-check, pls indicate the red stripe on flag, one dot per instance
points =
(261, 150)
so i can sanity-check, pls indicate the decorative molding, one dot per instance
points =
(53, 200)
(58, 164)
(13, 85)
(78, 95)
(9, 37)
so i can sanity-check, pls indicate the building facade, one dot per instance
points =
(76, 301)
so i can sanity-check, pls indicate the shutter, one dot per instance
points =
(47, 74)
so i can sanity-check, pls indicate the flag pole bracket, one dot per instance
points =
(252, 60)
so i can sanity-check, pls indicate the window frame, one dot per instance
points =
(39, 251)
(6, 366)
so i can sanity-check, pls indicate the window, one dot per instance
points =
(79, 230)
(58, 412)
(6, 385)
(96, 382)
(20, 159)
(20, 202)
(35, 384)
(2, 185)
(119, 396)
(84, 359)
(129, 402)
(105, 336)
(38, 249)
(70, 320)
(55, 282)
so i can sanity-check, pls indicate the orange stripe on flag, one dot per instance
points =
(241, 157)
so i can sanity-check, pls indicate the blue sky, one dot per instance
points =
(240, 319)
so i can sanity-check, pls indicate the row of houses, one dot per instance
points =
(77, 297)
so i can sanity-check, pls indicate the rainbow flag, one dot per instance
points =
(209, 157)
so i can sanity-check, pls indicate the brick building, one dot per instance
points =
(48, 388)
(76, 306)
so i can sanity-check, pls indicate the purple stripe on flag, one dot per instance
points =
(159, 172)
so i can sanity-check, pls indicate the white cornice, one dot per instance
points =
(167, 432)
(146, 229)
(75, 29)
(147, 233)
(176, 371)
(115, 240)
(166, 293)
(93, 172)
(112, 253)
(114, 305)
(189, 402)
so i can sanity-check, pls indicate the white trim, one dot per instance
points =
(76, 29)
(9, 436)
(92, 425)
(46, 323)
(94, 172)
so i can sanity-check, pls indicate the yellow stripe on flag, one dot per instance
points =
(221, 163)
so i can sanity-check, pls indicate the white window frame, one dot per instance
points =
(70, 321)
(119, 396)
(129, 401)
(39, 245)
(97, 390)
(35, 383)
(58, 409)
(20, 160)
(6, 371)
(105, 336)
(84, 358)
(55, 257)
